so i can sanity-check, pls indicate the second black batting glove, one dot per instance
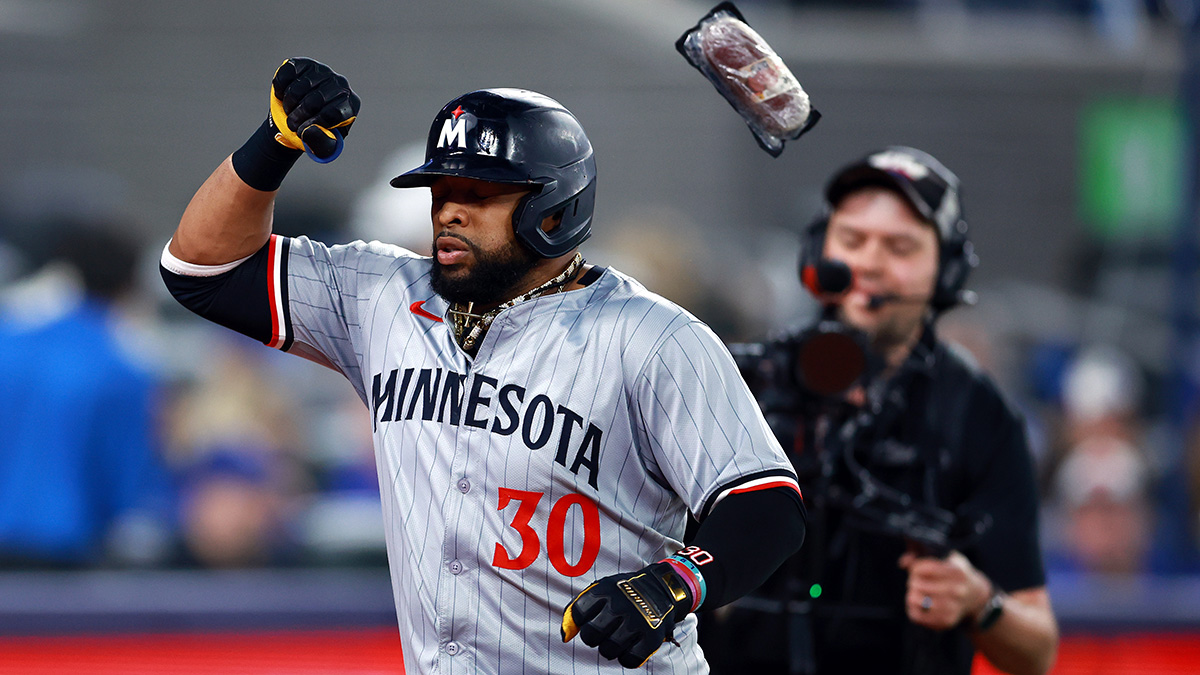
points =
(312, 108)
(629, 616)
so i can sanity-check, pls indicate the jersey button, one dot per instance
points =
(464, 485)
(452, 648)
(456, 567)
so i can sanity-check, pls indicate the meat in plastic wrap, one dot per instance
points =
(750, 75)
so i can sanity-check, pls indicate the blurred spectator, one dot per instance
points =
(233, 438)
(81, 478)
(1103, 486)
(1102, 392)
(274, 459)
(343, 522)
(1101, 476)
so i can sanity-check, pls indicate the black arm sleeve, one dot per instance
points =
(238, 299)
(749, 535)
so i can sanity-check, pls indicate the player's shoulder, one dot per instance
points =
(363, 256)
(648, 324)
(634, 303)
(357, 248)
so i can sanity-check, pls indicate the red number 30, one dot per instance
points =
(555, 532)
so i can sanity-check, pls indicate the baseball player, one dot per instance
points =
(543, 427)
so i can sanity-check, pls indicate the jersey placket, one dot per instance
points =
(459, 573)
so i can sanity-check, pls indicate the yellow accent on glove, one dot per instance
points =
(569, 628)
(283, 135)
(291, 139)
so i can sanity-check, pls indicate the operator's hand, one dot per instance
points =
(629, 616)
(312, 108)
(943, 591)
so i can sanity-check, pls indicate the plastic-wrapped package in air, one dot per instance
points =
(750, 75)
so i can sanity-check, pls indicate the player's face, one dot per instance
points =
(891, 251)
(476, 255)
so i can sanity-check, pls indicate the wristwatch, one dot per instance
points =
(990, 614)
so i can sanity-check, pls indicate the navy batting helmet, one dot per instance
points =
(521, 137)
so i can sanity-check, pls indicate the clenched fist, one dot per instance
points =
(629, 616)
(312, 108)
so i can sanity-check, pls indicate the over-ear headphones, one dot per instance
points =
(956, 260)
(933, 192)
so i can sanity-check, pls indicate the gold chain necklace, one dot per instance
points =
(469, 328)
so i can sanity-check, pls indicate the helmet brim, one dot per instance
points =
(490, 169)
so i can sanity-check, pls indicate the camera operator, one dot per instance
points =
(922, 544)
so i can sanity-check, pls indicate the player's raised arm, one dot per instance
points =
(229, 218)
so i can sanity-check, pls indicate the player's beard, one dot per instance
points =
(491, 280)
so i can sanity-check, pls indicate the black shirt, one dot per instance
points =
(941, 434)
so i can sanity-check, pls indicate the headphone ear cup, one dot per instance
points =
(957, 260)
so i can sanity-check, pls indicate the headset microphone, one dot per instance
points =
(963, 297)
(827, 277)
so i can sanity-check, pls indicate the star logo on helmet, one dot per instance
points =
(454, 131)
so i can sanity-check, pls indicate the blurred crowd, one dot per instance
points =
(136, 434)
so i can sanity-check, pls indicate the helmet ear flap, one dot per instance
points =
(570, 232)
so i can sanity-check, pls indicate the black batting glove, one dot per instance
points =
(312, 108)
(629, 616)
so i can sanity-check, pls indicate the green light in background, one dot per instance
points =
(814, 591)
(1132, 166)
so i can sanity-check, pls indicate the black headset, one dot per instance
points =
(926, 185)
(956, 259)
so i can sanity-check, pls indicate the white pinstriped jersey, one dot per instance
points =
(570, 448)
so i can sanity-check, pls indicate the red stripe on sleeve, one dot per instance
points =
(273, 293)
(767, 486)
